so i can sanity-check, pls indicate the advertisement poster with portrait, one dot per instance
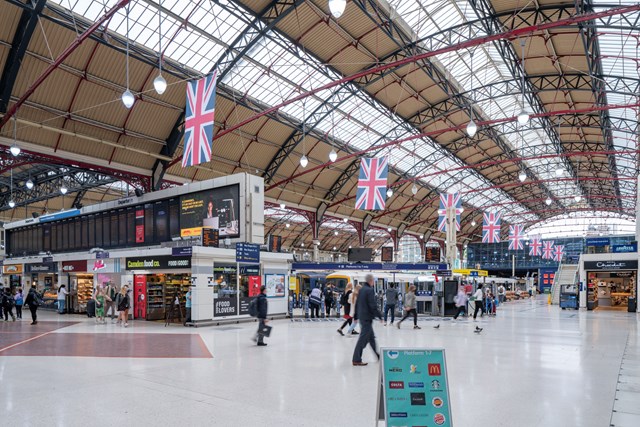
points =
(217, 208)
(275, 284)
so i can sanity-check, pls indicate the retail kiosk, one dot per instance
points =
(608, 280)
(156, 245)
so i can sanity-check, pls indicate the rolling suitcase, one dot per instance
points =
(91, 308)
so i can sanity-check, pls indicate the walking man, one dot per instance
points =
(390, 305)
(479, 303)
(262, 315)
(367, 311)
(410, 307)
(112, 293)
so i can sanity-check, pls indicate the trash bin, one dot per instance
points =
(632, 305)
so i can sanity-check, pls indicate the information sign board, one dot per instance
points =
(413, 389)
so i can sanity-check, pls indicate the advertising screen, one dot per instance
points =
(217, 208)
(275, 284)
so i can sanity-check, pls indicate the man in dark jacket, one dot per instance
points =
(367, 310)
(262, 315)
(33, 301)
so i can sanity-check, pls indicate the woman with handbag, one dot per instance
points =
(101, 299)
(123, 303)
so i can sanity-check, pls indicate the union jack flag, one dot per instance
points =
(198, 120)
(515, 237)
(558, 253)
(535, 247)
(372, 184)
(547, 249)
(491, 227)
(449, 200)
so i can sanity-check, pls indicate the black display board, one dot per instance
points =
(432, 254)
(215, 208)
(387, 254)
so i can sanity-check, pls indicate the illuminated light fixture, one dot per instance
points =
(461, 209)
(287, 225)
(345, 219)
(127, 97)
(302, 245)
(282, 206)
(389, 192)
(577, 198)
(548, 201)
(389, 229)
(522, 176)
(334, 248)
(523, 117)
(29, 184)
(64, 190)
(333, 156)
(559, 172)
(422, 236)
(472, 128)
(337, 7)
(373, 239)
(335, 233)
(350, 246)
(159, 83)
(15, 150)
(473, 223)
(304, 161)
(414, 189)
(12, 204)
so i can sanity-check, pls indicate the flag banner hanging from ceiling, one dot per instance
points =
(547, 249)
(198, 120)
(535, 247)
(515, 237)
(372, 184)
(558, 253)
(449, 200)
(491, 227)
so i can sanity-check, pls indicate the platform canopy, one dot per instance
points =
(401, 79)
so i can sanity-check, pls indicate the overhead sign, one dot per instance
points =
(102, 255)
(632, 247)
(611, 265)
(247, 252)
(47, 259)
(387, 254)
(41, 268)
(12, 269)
(471, 272)
(104, 265)
(157, 262)
(413, 388)
(74, 266)
(210, 237)
(597, 241)
(182, 251)
(275, 243)
(368, 266)
(432, 254)
(60, 215)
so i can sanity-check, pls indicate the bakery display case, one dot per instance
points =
(84, 286)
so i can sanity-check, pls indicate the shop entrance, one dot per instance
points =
(611, 290)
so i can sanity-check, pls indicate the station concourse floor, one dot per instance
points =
(533, 365)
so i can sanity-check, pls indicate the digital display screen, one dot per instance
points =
(218, 208)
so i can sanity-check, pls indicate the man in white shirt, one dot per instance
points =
(478, 295)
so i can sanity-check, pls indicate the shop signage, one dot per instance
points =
(210, 237)
(74, 266)
(182, 251)
(632, 247)
(368, 266)
(413, 389)
(157, 262)
(41, 268)
(61, 215)
(104, 265)
(621, 274)
(247, 252)
(244, 305)
(597, 241)
(12, 269)
(225, 269)
(102, 255)
(611, 265)
(471, 273)
(47, 259)
(225, 307)
(250, 270)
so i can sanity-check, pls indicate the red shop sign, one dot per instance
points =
(74, 266)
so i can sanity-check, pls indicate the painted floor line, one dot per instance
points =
(25, 341)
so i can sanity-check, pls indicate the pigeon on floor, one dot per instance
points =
(478, 330)
(437, 326)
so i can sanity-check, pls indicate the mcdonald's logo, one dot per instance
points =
(434, 369)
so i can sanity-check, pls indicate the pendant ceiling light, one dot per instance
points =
(15, 150)
(389, 192)
(473, 223)
(414, 189)
(127, 97)
(63, 189)
(472, 127)
(29, 184)
(282, 206)
(333, 156)
(559, 172)
(159, 83)
(337, 7)
(577, 198)
(522, 176)
(548, 201)
(345, 219)
(304, 161)
(12, 204)
(523, 116)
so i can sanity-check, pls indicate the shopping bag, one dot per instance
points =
(266, 330)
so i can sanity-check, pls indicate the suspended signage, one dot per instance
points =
(597, 241)
(157, 262)
(368, 266)
(60, 215)
(631, 247)
(250, 270)
(387, 254)
(182, 251)
(41, 268)
(611, 265)
(432, 254)
(275, 243)
(210, 237)
(102, 255)
(472, 273)
(74, 266)
(12, 269)
(413, 388)
(247, 252)
(47, 259)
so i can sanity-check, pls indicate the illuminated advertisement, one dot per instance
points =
(217, 208)
(275, 284)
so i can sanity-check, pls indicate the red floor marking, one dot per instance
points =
(24, 341)
(16, 333)
(134, 345)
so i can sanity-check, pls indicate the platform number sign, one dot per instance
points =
(413, 388)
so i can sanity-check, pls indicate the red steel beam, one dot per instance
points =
(508, 35)
(64, 55)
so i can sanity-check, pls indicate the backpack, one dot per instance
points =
(344, 299)
(253, 308)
